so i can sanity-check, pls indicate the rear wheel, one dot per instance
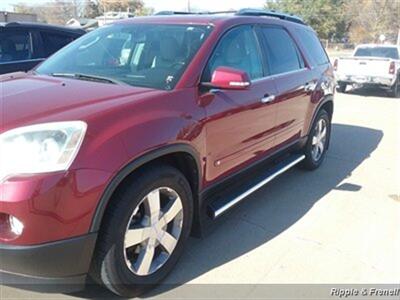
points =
(342, 87)
(144, 232)
(318, 141)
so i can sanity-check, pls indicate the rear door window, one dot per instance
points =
(313, 45)
(53, 42)
(280, 51)
(15, 45)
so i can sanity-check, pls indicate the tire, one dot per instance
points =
(313, 161)
(395, 90)
(342, 87)
(128, 271)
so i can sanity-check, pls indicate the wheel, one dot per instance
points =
(342, 87)
(395, 90)
(144, 232)
(318, 141)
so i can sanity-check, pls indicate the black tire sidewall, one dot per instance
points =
(396, 88)
(342, 87)
(114, 271)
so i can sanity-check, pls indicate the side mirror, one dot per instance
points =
(229, 78)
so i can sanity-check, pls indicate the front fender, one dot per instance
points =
(131, 167)
(131, 135)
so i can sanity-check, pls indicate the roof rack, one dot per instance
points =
(270, 13)
(241, 12)
(168, 12)
(16, 24)
(11, 23)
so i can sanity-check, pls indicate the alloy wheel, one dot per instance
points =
(153, 231)
(319, 140)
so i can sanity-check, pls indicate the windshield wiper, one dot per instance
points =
(87, 77)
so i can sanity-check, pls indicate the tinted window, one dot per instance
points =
(14, 46)
(148, 55)
(281, 54)
(237, 49)
(313, 45)
(389, 52)
(53, 42)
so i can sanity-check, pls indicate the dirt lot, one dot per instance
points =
(339, 224)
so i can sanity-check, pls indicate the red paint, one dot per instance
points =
(335, 64)
(52, 206)
(392, 68)
(229, 78)
(228, 129)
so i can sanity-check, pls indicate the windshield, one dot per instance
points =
(146, 55)
(387, 52)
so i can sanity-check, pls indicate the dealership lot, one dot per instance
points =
(339, 224)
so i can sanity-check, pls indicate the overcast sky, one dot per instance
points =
(211, 5)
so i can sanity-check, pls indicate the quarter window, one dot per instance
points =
(237, 49)
(281, 52)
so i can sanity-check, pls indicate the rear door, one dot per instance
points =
(293, 81)
(239, 126)
(16, 50)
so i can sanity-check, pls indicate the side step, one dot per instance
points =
(221, 205)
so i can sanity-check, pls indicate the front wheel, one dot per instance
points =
(144, 232)
(318, 141)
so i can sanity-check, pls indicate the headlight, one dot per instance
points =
(40, 148)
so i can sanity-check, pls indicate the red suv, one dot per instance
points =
(125, 142)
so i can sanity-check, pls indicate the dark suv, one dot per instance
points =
(24, 45)
(122, 144)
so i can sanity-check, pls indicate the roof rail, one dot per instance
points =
(241, 12)
(168, 12)
(12, 24)
(270, 13)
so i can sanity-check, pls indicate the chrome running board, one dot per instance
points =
(220, 206)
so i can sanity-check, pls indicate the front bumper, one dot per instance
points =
(51, 207)
(55, 261)
(56, 210)
(366, 80)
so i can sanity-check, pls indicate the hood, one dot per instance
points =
(27, 99)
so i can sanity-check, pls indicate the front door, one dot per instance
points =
(240, 125)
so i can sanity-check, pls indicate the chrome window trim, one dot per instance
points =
(280, 74)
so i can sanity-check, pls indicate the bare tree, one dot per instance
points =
(92, 9)
(122, 5)
(55, 12)
(372, 18)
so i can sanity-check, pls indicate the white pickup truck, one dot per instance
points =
(370, 65)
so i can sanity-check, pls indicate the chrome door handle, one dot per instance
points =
(267, 99)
